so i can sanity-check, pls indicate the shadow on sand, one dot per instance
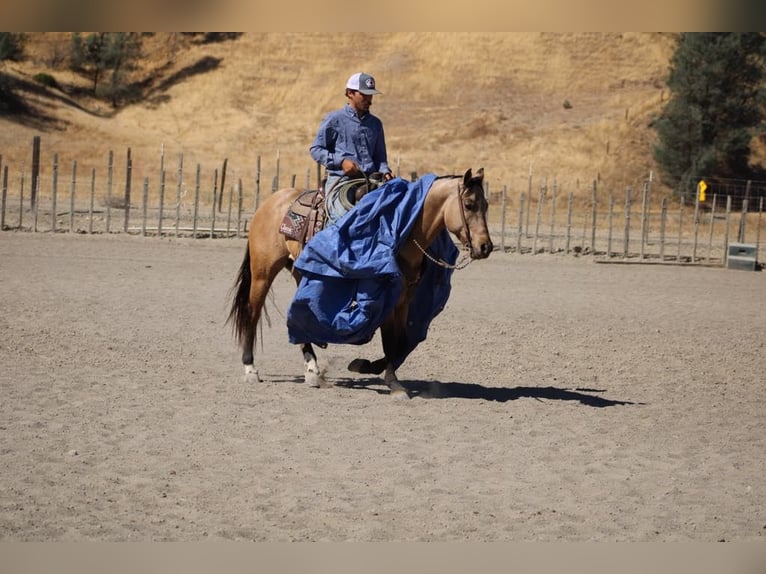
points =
(437, 390)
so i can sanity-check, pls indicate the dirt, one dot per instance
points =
(555, 399)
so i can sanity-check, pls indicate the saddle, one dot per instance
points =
(305, 217)
(308, 214)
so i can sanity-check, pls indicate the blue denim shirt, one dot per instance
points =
(343, 134)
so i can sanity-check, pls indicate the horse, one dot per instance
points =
(453, 202)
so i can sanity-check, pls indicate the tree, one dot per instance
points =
(716, 106)
(106, 53)
(11, 45)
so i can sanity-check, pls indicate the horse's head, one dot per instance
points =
(469, 222)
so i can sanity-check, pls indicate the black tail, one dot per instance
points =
(239, 316)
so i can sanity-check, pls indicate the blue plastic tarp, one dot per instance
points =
(350, 279)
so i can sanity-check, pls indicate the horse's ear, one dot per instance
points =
(468, 177)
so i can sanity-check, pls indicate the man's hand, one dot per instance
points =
(388, 176)
(350, 168)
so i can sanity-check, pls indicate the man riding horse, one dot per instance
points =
(351, 142)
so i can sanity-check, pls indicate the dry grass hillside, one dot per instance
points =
(450, 101)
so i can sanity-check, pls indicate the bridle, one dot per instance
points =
(467, 244)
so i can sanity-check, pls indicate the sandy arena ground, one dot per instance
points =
(555, 399)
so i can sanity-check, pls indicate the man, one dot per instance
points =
(350, 141)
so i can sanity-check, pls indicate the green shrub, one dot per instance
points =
(46, 80)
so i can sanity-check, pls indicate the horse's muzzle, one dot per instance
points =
(483, 251)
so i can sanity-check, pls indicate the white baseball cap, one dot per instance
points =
(363, 83)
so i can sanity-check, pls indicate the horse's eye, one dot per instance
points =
(470, 205)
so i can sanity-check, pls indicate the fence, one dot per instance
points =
(626, 225)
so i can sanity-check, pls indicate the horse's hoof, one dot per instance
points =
(251, 377)
(400, 395)
(360, 366)
(316, 380)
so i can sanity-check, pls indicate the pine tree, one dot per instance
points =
(716, 107)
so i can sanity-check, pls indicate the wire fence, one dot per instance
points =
(629, 224)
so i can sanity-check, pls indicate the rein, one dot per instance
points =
(460, 264)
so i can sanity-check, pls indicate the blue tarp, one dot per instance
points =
(351, 280)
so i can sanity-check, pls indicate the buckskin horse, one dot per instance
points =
(452, 202)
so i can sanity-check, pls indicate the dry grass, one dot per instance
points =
(450, 101)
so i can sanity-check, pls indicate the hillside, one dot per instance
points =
(450, 101)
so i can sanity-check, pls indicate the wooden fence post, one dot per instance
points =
(109, 175)
(144, 206)
(644, 225)
(696, 223)
(71, 196)
(223, 183)
(710, 232)
(626, 234)
(594, 212)
(680, 227)
(611, 225)
(553, 216)
(663, 222)
(54, 192)
(570, 200)
(258, 182)
(92, 198)
(196, 201)
(179, 184)
(5, 196)
(726, 230)
(521, 223)
(128, 181)
(502, 218)
(35, 170)
(540, 197)
(239, 207)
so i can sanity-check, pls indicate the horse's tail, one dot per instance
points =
(240, 314)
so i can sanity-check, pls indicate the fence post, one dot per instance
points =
(594, 204)
(144, 206)
(239, 206)
(92, 198)
(696, 222)
(758, 229)
(743, 220)
(5, 196)
(553, 216)
(21, 196)
(570, 199)
(35, 170)
(502, 218)
(626, 239)
(644, 226)
(611, 226)
(521, 223)
(223, 183)
(196, 201)
(540, 197)
(54, 191)
(228, 217)
(71, 196)
(258, 182)
(680, 227)
(710, 232)
(128, 178)
(726, 232)
(179, 183)
(109, 175)
(663, 222)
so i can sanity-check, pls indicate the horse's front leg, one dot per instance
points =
(394, 339)
(314, 376)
